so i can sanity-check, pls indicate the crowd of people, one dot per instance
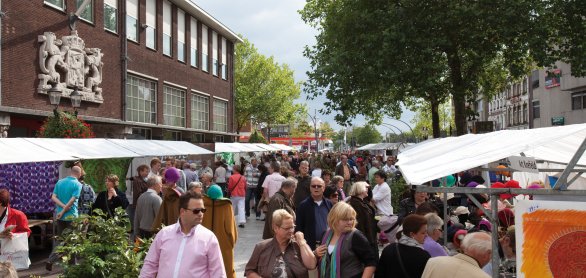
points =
(330, 215)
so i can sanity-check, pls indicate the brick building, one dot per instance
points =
(154, 69)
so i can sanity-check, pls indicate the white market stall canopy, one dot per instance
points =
(19, 150)
(438, 158)
(248, 147)
(380, 146)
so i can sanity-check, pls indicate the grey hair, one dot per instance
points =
(357, 188)
(207, 175)
(289, 182)
(194, 184)
(375, 163)
(476, 243)
(433, 222)
(304, 162)
(336, 179)
(154, 180)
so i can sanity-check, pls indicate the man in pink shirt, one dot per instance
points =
(186, 248)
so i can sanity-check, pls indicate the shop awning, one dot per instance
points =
(17, 150)
(160, 147)
(441, 157)
(95, 148)
(282, 147)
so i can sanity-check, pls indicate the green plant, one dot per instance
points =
(102, 247)
(257, 138)
(65, 125)
(398, 187)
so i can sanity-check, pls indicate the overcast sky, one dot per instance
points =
(276, 29)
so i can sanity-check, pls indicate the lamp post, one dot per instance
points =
(314, 120)
(75, 100)
(389, 126)
(54, 96)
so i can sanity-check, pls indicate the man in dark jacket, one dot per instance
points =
(312, 214)
(281, 200)
(303, 181)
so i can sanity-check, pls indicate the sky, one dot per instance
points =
(276, 29)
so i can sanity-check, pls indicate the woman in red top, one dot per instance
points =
(10, 217)
(237, 191)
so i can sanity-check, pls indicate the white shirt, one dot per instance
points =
(381, 194)
(273, 183)
(316, 172)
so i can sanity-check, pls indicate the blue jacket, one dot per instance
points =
(305, 221)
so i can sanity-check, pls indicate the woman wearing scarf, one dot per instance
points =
(285, 255)
(345, 251)
(407, 258)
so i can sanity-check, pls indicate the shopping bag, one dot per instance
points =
(15, 250)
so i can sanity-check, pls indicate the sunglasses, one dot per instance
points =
(316, 186)
(197, 210)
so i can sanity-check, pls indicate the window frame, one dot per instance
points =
(152, 101)
(205, 119)
(149, 27)
(115, 17)
(167, 95)
(217, 122)
(581, 97)
(168, 38)
(64, 5)
(90, 6)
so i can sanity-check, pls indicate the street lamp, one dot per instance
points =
(54, 95)
(314, 120)
(389, 127)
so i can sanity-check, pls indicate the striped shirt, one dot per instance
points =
(251, 173)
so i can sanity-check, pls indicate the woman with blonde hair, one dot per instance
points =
(285, 255)
(111, 198)
(345, 251)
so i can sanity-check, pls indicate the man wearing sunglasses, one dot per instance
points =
(186, 248)
(312, 213)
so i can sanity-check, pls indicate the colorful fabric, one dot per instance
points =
(30, 185)
(333, 258)
(96, 171)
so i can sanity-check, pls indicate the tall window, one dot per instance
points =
(536, 112)
(193, 42)
(167, 35)
(204, 48)
(579, 100)
(224, 67)
(220, 115)
(171, 135)
(151, 24)
(88, 12)
(200, 112)
(214, 53)
(174, 107)
(141, 100)
(180, 35)
(132, 20)
(59, 4)
(111, 15)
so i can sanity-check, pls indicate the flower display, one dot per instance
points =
(65, 125)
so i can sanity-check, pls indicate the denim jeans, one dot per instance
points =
(251, 193)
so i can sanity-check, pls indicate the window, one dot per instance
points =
(579, 100)
(171, 135)
(197, 138)
(111, 15)
(151, 24)
(219, 138)
(132, 20)
(59, 4)
(167, 35)
(224, 67)
(220, 115)
(141, 100)
(180, 35)
(174, 107)
(535, 79)
(536, 114)
(88, 12)
(204, 48)
(525, 116)
(142, 133)
(214, 53)
(193, 42)
(200, 112)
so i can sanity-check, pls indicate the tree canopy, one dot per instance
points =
(370, 56)
(264, 89)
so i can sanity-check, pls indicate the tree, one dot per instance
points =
(326, 130)
(301, 129)
(423, 121)
(264, 89)
(407, 50)
(257, 137)
(366, 135)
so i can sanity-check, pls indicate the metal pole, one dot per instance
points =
(562, 182)
(495, 240)
(315, 129)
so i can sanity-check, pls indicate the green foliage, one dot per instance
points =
(65, 125)
(366, 135)
(102, 247)
(398, 187)
(423, 123)
(257, 137)
(326, 130)
(264, 89)
(302, 129)
(432, 50)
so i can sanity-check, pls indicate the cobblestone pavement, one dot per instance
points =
(247, 238)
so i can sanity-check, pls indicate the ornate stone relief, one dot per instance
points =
(68, 64)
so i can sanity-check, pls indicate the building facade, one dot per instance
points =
(154, 69)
